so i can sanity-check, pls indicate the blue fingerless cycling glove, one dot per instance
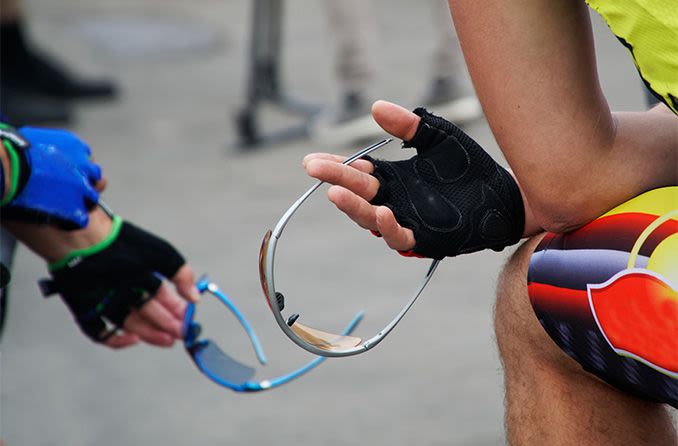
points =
(52, 177)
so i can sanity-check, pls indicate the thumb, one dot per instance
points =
(396, 120)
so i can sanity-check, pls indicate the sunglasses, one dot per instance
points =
(316, 341)
(222, 368)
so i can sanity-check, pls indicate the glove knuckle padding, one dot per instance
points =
(452, 194)
(110, 283)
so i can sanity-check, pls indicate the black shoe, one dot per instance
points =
(25, 108)
(24, 68)
(448, 98)
(40, 74)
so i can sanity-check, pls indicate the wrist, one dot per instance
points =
(54, 244)
(89, 246)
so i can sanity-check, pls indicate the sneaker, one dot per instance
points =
(347, 125)
(40, 74)
(446, 97)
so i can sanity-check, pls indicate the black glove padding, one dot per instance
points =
(103, 287)
(452, 194)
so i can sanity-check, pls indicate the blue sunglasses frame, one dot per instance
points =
(195, 345)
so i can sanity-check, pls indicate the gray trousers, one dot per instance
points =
(352, 25)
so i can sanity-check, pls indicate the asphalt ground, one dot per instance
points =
(168, 148)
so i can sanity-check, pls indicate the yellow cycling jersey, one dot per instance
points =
(649, 29)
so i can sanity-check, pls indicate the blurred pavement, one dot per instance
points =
(167, 147)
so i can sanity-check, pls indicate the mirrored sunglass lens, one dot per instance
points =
(262, 265)
(324, 340)
(217, 364)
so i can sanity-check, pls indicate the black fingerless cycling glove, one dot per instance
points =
(452, 194)
(102, 284)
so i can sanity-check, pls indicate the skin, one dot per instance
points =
(353, 186)
(574, 159)
(561, 136)
(550, 399)
(158, 322)
(550, 148)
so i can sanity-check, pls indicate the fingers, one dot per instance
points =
(159, 314)
(100, 185)
(374, 218)
(158, 322)
(146, 331)
(396, 120)
(395, 236)
(118, 341)
(360, 164)
(173, 303)
(90, 193)
(357, 209)
(93, 172)
(361, 183)
(185, 283)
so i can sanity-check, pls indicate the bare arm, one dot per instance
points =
(533, 66)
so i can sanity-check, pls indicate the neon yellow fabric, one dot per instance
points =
(655, 202)
(649, 29)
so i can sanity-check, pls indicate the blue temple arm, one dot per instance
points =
(204, 284)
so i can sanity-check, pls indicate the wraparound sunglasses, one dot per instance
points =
(316, 341)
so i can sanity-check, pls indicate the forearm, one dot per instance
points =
(52, 243)
(577, 184)
(533, 65)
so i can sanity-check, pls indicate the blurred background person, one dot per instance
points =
(354, 30)
(35, 87)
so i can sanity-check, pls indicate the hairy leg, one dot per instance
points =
(550, 399)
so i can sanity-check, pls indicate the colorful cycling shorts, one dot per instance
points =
(607, 294)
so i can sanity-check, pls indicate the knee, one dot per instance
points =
(517, 329)
(520, 337)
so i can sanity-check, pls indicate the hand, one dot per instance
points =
(354, 186)
(116, 288)
(55, 180)
(451, 198)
